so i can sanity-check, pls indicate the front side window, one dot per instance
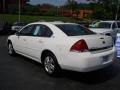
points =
(27, 31)
(37, 31)
(74, 29)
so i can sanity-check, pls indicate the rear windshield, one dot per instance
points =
(74, 29)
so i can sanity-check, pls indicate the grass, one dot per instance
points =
(28, 18)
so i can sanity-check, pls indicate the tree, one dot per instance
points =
(107, 7)
(71, 4)
(48, 9)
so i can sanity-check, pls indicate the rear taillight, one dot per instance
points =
(80, 46)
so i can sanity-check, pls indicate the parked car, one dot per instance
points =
(93, 23)
(5, 28)
(110, 28)
(17, 26)
(62, 46)
(84, 23)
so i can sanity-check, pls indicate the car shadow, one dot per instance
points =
(90, 78)
(95, 77)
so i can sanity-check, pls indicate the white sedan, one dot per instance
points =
(60, 46)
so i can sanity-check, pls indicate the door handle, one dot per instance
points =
(24, 39)
(40, 41)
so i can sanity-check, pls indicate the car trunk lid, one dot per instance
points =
(96, 42)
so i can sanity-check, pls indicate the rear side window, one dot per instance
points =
(104, 25)
(46, 32)
(74, 29)
(42, 31)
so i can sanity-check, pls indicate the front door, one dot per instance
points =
(21, 39)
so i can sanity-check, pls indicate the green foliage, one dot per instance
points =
(104, 9)
(28, 18)
(33, 9)
(13, 9)
(71, 4)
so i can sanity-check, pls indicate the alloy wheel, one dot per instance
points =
(49, 64)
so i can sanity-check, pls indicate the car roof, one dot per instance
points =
(110, 21)
(53, 23)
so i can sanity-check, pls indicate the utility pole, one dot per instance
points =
(118, 5)
(19, 16)
(58, 8)
(4, 6)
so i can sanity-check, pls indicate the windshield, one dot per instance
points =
(102, 25)
(74, 29)
(19, 24)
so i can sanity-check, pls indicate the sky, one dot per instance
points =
(54, 2)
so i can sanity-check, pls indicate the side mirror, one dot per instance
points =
(17, 33)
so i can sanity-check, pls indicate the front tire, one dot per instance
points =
(11, 49)
(51, 65)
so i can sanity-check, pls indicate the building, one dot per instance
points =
(82, 13)
(4, 4)
(79, 14)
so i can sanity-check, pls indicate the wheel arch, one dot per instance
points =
(8, 41)
(57, 65)
(47, 51)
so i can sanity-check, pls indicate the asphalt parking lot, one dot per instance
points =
(20, 73)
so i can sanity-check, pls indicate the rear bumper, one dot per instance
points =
(86, 62)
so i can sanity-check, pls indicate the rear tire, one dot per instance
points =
(51, 65)
(11, 50)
